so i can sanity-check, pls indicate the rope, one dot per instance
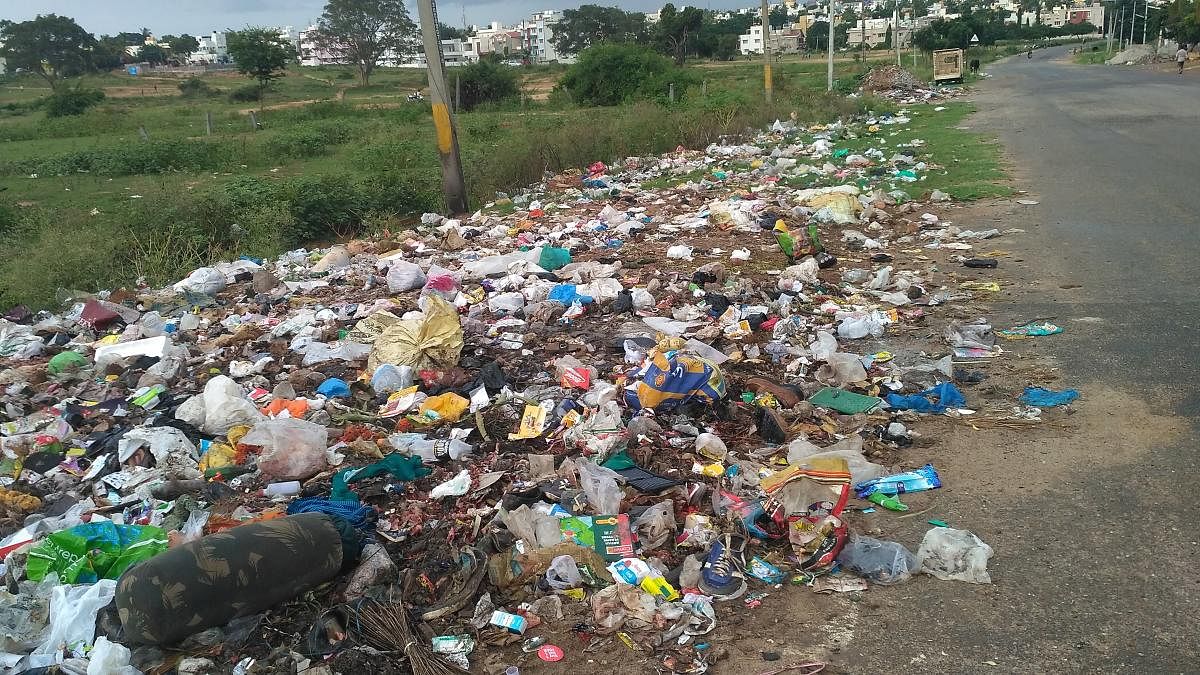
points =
(352, 512)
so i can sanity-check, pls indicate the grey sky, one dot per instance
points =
(203, 16)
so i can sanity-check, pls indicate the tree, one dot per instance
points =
(451, 33)
(54, 47)
(182, 46)
(486, 81)
(778, 17)
(887, 38)
(674, 29)
(153, 54)
(592, 24)
(818, 36)
(260, 53)
(364, 32)
(611, 74)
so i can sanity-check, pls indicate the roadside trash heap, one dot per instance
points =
(899, 85)
(570, 422)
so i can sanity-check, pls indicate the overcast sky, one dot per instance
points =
(203, 16)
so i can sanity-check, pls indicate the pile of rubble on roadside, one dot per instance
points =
(585, 417)
(901, 86)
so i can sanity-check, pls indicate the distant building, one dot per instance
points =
(537, 33)
(496, 39)
(874, 32)
(1060, 16)
(787, 40)
(213, 49)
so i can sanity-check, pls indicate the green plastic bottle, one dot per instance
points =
(814, 239)
(889, 502)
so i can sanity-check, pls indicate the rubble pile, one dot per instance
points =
(897, 84)
(587, 417)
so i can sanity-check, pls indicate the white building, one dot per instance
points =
(787, 40)
(213, 49)
(536, 37)
(874, 32)
(1061, 16)
(496, 39)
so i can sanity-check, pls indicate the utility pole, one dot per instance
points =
(862, 33)
(453, 186)
(1145, 19)
(1121, 39)
(896, 31)
(768, 82)
(829, 41)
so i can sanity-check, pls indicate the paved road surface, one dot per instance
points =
(1097, 557)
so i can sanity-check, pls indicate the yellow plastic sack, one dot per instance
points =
(370, 328)
(435, 341)
(843, 205)
(448, 407)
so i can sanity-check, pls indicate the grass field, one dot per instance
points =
(137, 187)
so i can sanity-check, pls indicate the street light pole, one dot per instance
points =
(896, 31)
(453, 186)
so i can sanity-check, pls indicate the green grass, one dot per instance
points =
(967, 164)
(1088, 58)
(108, 206)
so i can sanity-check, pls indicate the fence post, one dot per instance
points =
(457, 93)
(142, 133)
(671, 92)
(704, 87)
(208, 122)
(253, 121)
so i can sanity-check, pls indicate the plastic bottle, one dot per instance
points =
(431, 450)
(284, 489)
(152, 325)
(888, 502)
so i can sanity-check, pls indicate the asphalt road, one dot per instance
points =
(1096, 534)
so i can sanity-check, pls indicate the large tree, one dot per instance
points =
(364, 32)
(260, 53)
(153, 54)
(182, 46)
(54, 47)
(592, 24)
(676, 29)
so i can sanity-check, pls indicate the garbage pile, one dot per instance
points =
(897, 84)
(592, 416)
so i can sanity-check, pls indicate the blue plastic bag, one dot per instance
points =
(918, 480)
(945, 395)
(334, 388)
(1047, 398)
(567, 295)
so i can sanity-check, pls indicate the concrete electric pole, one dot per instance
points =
(768, 82)
(829, 41)
(453, 186)
(896, 31)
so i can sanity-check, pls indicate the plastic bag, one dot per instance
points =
(601, 433)
(205, 281)
(882, 562)
(860, 325)
(802, 452)
(823, 346)
(679, 252)
(91, 551)
(956, 555)
(656, 525)
(389, 378)
(431, 342)
(505, 302)
(110, 658)
(73, 612)
(455, 487)
(292, 449)
(220, 406)
(841, 369)
(404, 276)
(316, 352)
(563, 573)
(601, 487)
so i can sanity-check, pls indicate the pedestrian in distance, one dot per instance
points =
(1181, 57)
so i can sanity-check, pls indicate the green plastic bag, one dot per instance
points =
(87, 553)
(554, 258)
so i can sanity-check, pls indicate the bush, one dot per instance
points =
(611, 74)
(308, 140)
(72, 102)
(128, 159)
(194, 87)
(486, 82)
(247, 93)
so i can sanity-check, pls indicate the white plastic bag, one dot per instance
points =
(206, 281)
(220, 406)
(601, 487)
(73, 612)
(455, 487)
(841, 369)
(956, 555)
(110, 658)
(292, 449)
(882, 562)
(563, 573)
(824, 346)
(404, 276)
(679, 252)
(860, 325)
(506, 302)
(656, 525)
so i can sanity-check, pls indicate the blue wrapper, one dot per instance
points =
(924, 478)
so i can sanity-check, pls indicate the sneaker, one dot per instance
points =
(721, 576)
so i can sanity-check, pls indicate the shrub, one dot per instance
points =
(485, 82)
(128, 159)
(72, 102)
(308, 140)
(611, 74)
(194, 87)
(247, 93)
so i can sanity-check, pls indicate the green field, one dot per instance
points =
(137, 187)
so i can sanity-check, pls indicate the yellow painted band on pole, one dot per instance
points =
(767, 76)
(441, 123)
